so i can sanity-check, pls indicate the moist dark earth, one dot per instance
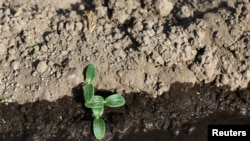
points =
(181, 114)
(147, 50)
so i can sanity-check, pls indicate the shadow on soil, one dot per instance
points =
(182, 114)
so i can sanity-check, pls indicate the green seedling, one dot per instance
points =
(4, 100)
(31, 49)
(97, 102)
(185, 89)
(3, 121)
(60, 118)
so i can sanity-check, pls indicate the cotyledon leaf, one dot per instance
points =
(90, 73)
(115, 100)
(99, 128)
(88, 92)
(96, 102)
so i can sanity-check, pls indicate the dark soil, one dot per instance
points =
(181, 114)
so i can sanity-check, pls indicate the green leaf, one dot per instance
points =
(115, 100)
(97, 102)
(90, 73)
(98, 112)
(31, 49)
(89, 92)
(99, 128)
(4, 100)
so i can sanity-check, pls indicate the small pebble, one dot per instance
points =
(3, 48)
(12, 51)
(81, 7)
(44, 48)
(41, 67)
(58, 74)
(15, 65)
(246, 74)
(7, 11)
(78, 26)
(34, 73)
(164, 7)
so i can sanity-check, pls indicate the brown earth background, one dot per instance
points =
(135, 45)
(191, 56)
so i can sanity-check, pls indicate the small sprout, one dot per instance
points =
(60, 118)
(186, 89)
(33, 48)
(3, 121)
(4, 100)
(97, 103)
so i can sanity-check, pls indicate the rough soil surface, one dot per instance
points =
(136, 45)
(176, 116)
(143, 49)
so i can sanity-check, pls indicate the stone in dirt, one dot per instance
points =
(41, 67)
(15, 65)
(164, 7)
(2, 48)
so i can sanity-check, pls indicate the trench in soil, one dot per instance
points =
(181, 114)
